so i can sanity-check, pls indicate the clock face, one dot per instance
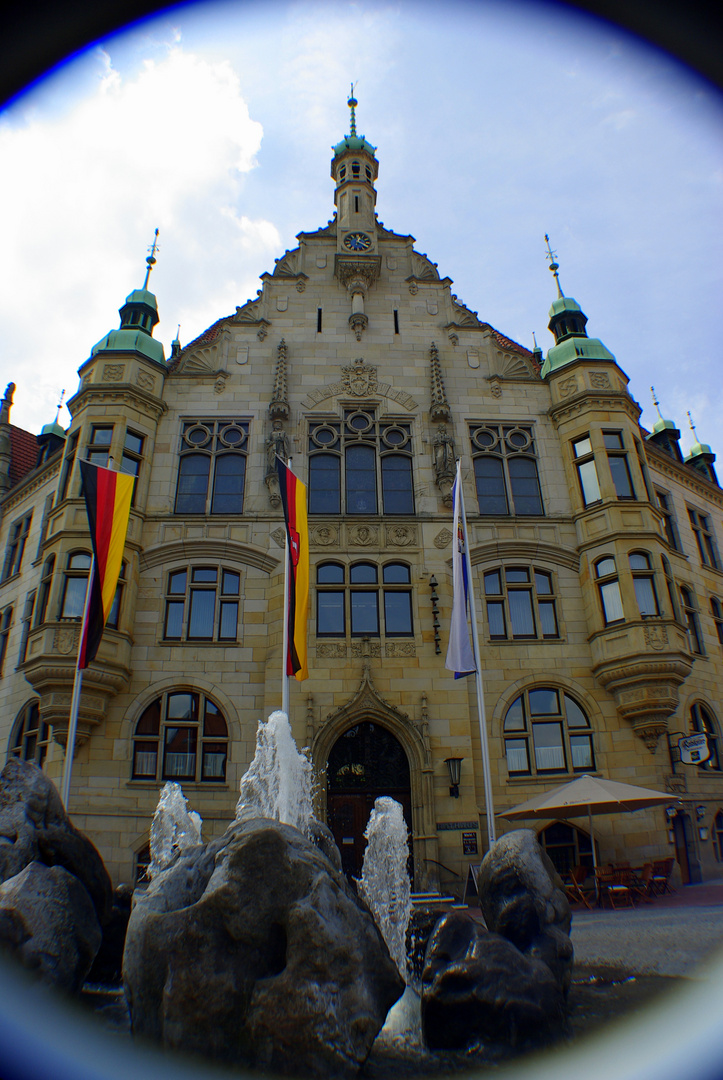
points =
(357, 241)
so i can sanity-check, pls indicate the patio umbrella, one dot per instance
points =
(589, 795)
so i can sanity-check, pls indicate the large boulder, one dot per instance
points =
(522, 899)
(48, 922)
(478, 986)
(34, 827)
(108, 964)
(253, 950)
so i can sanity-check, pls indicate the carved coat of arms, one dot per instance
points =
(359, 380)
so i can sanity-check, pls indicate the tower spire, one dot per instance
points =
(352, 103)
(151, 260)
(692, 425)
(656, 403)
(554, 266)
(60, 405)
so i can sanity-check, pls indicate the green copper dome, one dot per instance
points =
(53, 429)
(575, 348)
(353, 144)
(664, 425)
(564, 303)
(130, 340)
(142, 296)
(698, 450)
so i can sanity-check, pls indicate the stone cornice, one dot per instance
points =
(121, 393)
(502, 550)
(594, 401)
(660, 462)
(30, 483)
(205, 548)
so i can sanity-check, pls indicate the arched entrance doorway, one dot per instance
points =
(366, 761)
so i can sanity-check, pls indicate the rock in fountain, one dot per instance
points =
(253, 949)
(174, 828)
(384, 883)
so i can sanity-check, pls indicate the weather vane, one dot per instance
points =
(60, 405)
(151, 260)
(554, 266)
(656, 403)
(692, 425)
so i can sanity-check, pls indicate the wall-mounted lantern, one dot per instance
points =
(454, 764)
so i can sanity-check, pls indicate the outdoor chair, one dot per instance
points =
(574, 886)
(660, 882)
(642, 884)
(613, 886)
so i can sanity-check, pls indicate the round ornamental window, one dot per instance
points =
(395, 436)
(197, 435)
(519, 439)
(360, 422)
(485, 438)
(232, 435)
(324, 435)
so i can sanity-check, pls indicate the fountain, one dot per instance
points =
(278, 783)
(384, 883)
(175, 829)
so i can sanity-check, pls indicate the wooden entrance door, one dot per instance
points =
(365, 763)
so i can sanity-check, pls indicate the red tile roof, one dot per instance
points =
(24, 450)
(205, 338)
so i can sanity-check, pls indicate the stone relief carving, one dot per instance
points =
(568, 387)
(443, 538)
(220, 385)
(600, 380)
(656, 637)
(300, 286)
(363, 535)
(262, 332)
(331, 649)
(453, 339)
(496, 388)
(366, 648)
(444, 462)
(113, 372)
(146, 381)
(414, 288)
(65, 640)
(359, 379)
(401, 535)
(277, 445)
(279, 536)
(400, 648)
(324, 535)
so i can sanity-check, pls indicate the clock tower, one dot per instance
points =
(354, 168)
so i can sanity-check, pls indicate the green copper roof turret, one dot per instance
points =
(353, 143)
(139, 315)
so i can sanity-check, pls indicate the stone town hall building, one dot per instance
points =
(593, 544)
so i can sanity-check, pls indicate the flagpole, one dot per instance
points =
(285, 646)
(75, 699)
(481, 716)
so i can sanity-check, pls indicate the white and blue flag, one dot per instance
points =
(460, 655)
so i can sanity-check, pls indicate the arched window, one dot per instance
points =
(202, 604)
(546, 731)
(609, 588)
(520, 603)
(566, 846)
(359, 456)
(46, 581)
(212, 467)
(690, 617)
(717, 612)
(74, 585)
(31, 736)
(505, 468)
(702, 721)
(180, 736)
(718, 836)
(643, 581)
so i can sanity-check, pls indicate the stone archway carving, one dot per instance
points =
(367, 704)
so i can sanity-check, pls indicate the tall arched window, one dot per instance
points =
(690, 616)
(31, 736)
(566, 845)
(609, 589)
(546, 731)
(212, 467)
(46, 581)
(181, 735)
(701, 720)
(505, 469)
(74, 585)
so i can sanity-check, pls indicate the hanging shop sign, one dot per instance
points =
(694, 749)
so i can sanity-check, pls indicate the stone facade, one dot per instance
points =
(356, 352)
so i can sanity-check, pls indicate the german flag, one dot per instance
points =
(293, 499)
(108, 503)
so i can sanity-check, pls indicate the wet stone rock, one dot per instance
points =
(253, 950)
(48, 923)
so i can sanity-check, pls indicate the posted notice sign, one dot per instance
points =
(694, 749)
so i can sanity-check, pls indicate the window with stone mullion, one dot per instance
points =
(506, 471)
(212, 467)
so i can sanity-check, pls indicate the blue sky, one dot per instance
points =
(494, 123)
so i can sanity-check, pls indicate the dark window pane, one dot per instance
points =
(101, 436)
(548, 618)
(397, 494)
(205, 574)
(192, 484)
(496, 619)
(581, 751)
(133, 443)
(395, 574)
(526, 497)
(98, 457)
(397, 612)
(489, 477)
(361, 480)
(324, 485)
(549, 753)
(228, 484)
(363, 574)
(639, 561)
(174, 619)
(523, 624)
(575, 716)
(330, 574)
(230, 583)
(543, 583)
(612, 440)
(177, 583)
(213, 764)
(80, 560)
(645, 595)
(182, 706)
(145, 759)
(517, 757)
(516, 576)
(364, 613)
(150, 722)
(228, 623)
(129, 465)
(330, 614)
(621, 477)
(74, 598)
(214, 723)
(179, 756)
(200, 619)
(493, 586)
(544, 702)
(515, 717)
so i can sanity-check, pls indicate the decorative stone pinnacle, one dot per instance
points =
(279, 409)
(439, 411)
